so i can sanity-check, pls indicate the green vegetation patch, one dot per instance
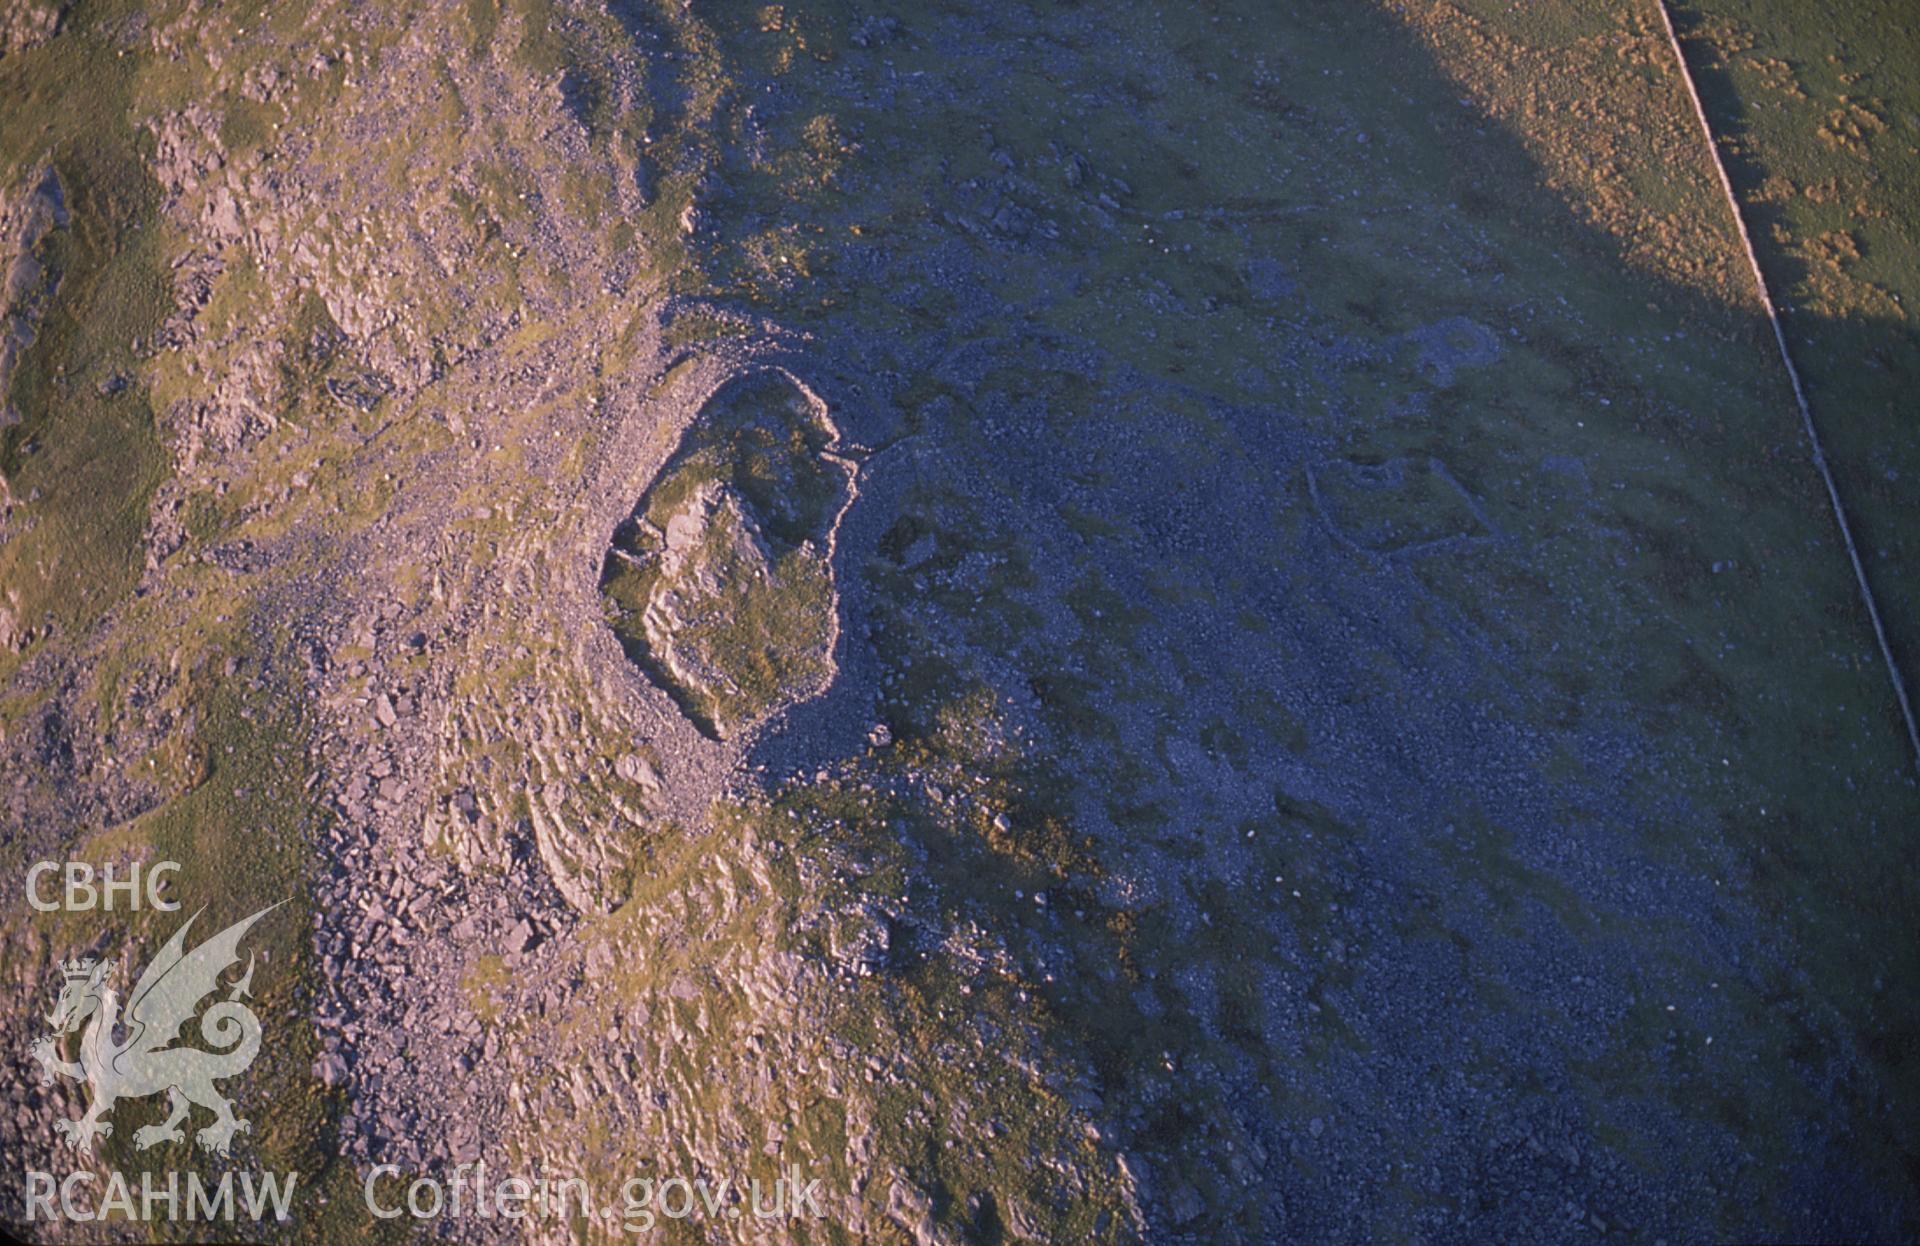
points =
(719, 585)
(83, 459)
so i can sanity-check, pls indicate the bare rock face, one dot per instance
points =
(720, 585)
(27, 25)
(30, 276)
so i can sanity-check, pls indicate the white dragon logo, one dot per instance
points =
(168, 993)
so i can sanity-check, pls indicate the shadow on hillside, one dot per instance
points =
(1861, 371)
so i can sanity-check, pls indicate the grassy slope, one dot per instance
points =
(1820, 126)
(84, 463)
(1650, 381)
(234, 807)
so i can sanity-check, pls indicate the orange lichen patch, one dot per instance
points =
(1777, 75)
(1826, 190)
(1597, 102)
(1833, 248)
(1774, 189)
(1831, 286)
(1851, 126)
(1722, 38)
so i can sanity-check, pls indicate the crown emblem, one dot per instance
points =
(76, 969)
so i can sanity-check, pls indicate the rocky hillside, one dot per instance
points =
(1094, 623)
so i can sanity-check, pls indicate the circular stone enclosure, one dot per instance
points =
(719, 584)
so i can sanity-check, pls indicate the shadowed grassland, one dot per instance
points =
(1263, 259)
